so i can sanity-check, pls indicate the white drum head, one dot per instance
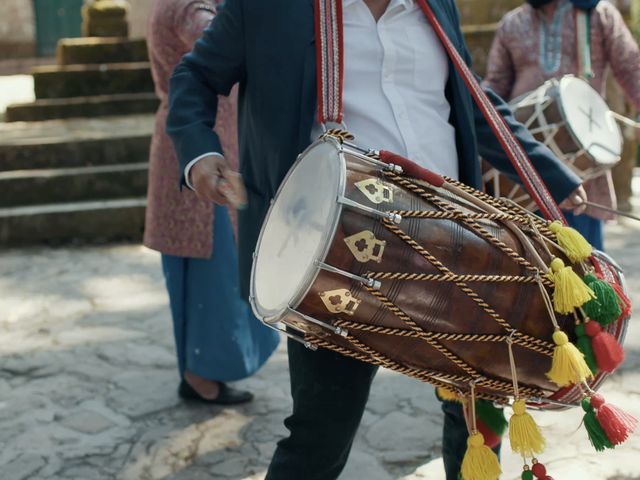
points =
(297, 231)
(588, 119)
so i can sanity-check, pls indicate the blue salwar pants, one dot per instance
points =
(217, 336)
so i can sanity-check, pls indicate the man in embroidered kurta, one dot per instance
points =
(400, 93)
(538, 41)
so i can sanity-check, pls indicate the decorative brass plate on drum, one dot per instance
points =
(376, 191)
(365, 246)
(340, 301)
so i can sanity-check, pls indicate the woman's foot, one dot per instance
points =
(205, 388)
(194, 387)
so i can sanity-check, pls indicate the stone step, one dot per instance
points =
(75, 142)
(97, 106)
(86, 80)
(64, 185)
(96, 221)
(91, 50)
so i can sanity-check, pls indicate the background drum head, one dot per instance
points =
(588, 119)
(297, 231)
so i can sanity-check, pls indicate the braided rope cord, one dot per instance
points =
(410, 333)
(434, 277)
(502, 204)
(438, 379)
(520, 338)
(466, 219)
(458, 215)
(433, 342)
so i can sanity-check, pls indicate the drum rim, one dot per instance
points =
(313, 271)
(570, 129)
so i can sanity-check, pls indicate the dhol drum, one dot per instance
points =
(574, 121)
(434, 280)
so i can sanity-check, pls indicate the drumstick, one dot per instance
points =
(627, 121)
(612, 210)
(233, 190)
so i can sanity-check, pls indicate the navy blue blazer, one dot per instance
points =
(269, 48)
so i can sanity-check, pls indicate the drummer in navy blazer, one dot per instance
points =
(268, 47)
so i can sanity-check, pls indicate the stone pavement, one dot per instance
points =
(88, 380)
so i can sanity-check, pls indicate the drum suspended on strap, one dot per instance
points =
(574, 121)
(433, 280)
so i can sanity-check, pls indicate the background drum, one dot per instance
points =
(432, 280)
(574, 121)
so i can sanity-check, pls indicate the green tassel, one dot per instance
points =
(605, 307)
(584, 345)
(492, 416)
(597, 435)
(527, 475)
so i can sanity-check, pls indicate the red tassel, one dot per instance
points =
(540, 471)
(625, 301)
(609, 353)
(615, 422)
(491, 440)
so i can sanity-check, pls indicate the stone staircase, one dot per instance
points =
(73, 164)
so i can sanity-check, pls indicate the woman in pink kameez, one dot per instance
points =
(217, 337)
(537, 41)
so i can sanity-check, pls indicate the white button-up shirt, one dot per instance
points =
(395, 73)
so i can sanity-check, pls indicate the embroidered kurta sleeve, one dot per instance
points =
(622, 52)
(500, 69)
(191, 20)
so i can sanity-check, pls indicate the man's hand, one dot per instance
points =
(576, 202)
(211, 179)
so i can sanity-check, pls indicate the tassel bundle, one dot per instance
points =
(616, 423)
(570, 291)
(571, 241)
(491, 416)
(596, 433)
(568, 366)
(524, 434)
(491, 422)
(447, 395)
(606, 349)
(479, 462)
(583, 343)
(624, 300)
(605, 307)
(540, 471)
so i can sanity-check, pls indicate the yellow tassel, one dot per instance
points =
(447, 395)
(524, 434)
(572, 242)
(570, 291)
(568, 366)
(479, 462)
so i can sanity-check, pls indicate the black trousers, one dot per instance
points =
(330, 393)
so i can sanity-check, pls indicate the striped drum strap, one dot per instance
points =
(329, 60)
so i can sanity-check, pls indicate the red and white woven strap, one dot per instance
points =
(330, 59)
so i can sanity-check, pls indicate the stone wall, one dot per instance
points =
(17, 29)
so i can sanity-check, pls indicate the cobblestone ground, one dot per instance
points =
(88, 380)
